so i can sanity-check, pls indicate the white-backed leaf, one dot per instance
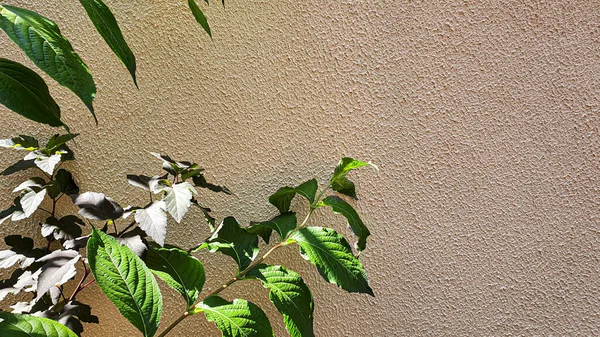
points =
(126, 281)
(59, 268)
(9, 258)
(153, 220)
(31, 200)
(45, 163)
(180, 271)
(291, 297)
(97, 206)
(33, 182)
(18, 325)
(178, 199)
(42, 42)
(332, 255)
(239, 318)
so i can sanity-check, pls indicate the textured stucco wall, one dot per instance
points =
(483, 117)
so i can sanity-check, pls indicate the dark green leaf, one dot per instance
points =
(63, 183)
(126, 281)
(339, 206)
(57, 140)
(291, 297)
(25, 92)
(308, 189)
(235, 241)
(21, 165)
(180, 271)
(239, 318)
(12, 325)
(344, 186)
(107, 26)
(283, 224)
(333, 257)
(199, 16)
(282, 199)
(25, 142)
(42, 42)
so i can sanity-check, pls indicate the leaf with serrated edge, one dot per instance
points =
(178, 199)
(25, 92)
(97, 206)
(15, 325)
(233, 240)
(332, 255)
(42, 42)
(180, 271)
(290, 295)
(126, 281)
(340, 206)
(339, 182)
(30, 201)
(239, 318)
(308, 189)
(106, 24)
(153, 220)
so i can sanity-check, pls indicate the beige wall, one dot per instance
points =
(483, 117)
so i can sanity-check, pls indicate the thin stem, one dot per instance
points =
(126, 228)
(177, 321)
(45, 210)
(79, 287)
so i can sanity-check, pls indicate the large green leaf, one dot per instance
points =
(291, 297)
(356, 224)
(12, 325)
(233, 240)
(332, 255)
(199, 16)
(180, 271)
(339, 182)
(42, 42)
(126, 281)
(283, 224)
(239, 318)
(25, 92)
(106, 24)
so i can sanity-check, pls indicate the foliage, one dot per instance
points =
(124, 255)
(124, 248)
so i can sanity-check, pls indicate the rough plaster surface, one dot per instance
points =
(483, 117)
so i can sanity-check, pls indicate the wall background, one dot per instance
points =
(483, 117)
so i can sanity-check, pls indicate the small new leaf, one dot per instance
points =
(180, 271)
(199, 16)
(340, 206)
(339, 182)
(333, 257)
(126, 281)
(239, 318)
(178, 199)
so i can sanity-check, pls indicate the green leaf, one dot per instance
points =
(199, 16)
(339, 182)
(25, 92)
(106, 24)
(339, 206)
(63, 183)
(233, 240)
(12, 325)
(126, 281)
(57, 140)
(283, 224)
(308, 189)
(42, 42)
(333, 257)
(21, 165)
(291, 297)
(239, 318)
(282, 199)
(23, 143)
(180, 271)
